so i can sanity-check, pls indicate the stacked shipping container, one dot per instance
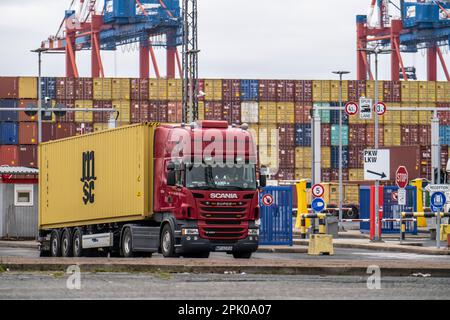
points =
(278, 112)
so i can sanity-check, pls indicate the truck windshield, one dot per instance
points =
(206, 177)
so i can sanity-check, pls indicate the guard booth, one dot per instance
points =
(276, 216)
(18, 203)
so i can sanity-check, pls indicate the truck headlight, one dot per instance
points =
(190, 232)
(253, 232)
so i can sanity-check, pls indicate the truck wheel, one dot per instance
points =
(55, 244)
(167, 242)
(127, 244)
(77, 243)
(352, 213)
(242, 255)
(66, 243)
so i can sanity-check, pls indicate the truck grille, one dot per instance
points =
(223, 210)
(223, 232)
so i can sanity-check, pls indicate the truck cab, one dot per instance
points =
(206, 187)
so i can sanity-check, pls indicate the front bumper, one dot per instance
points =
(197, 244)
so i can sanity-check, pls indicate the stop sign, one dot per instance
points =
(401, 177)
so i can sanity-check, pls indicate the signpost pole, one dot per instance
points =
(377, 237)
(438, 229)
(435, 152)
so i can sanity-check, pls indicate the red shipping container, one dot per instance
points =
(65, 88)
(325, 136)
(153, 111)
(28, 132)
(9, 156)
(163, 111)
(84, 88)
(302, 113)
(326, 175)
(83, 128)
(201, 88)
(69, 116)
(355, 156)
(267, 90)
(102, 117)
(444, 117)
(444, 156)
(353, 90)
(174, 112)
(392, 91)
(27, 103)
(28, 156)
(213, 110)
(140, 89)
(231, 90)
(9, 87)
(135, 111)
(307, 91)
(287, 157)
(286, 135)
(335, 175)
(370, 135)
(409, 135)
(361, 88)
(424, 135)
(231, 112)
(285, 90)
(357, 134)
(65, 130)
(48, 131)
(285, 174)
(299, 91)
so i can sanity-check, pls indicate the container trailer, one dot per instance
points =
(175, 189)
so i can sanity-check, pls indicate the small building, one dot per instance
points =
(18, 203)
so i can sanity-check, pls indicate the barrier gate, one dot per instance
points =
(276, 216)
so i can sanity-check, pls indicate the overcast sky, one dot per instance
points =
(293, 39)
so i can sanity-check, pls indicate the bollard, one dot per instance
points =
(403, 230)
(322, 226)
(302, 227)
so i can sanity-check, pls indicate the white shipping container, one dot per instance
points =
(249, 112)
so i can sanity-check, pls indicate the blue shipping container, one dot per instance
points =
(444, 135)
(48, 87)
(335, 135)
(335, 157)
(334, 117)
(9, 133)
(303, 135)
(390, 209)
(9, 115)
(249, 90)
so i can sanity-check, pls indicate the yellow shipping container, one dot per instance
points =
(392, 117)
(285, 112)
(370, 90)
(268, 156)
(158, 89)
(102, 89)
(268, 135)
(84, 116)
(326, 157)
(254, 130)
(267, 112)
(61, 193)
(356, 174)
(356, 120)
(213, 89)
(100, 127)
(335, 90)
(317, 90)
(392, 135)
(351, 194)
(443, 91)
(303, 158)
(427, 91)
(28, 88)
(410, 117)
(123, 106)
(425, 116)
(302, 174)
(201, 110)
(405, 91)
(121, 89)
(175, 89)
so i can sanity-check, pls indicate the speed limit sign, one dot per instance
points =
(317, 190)
(381, 108)
(351, 108)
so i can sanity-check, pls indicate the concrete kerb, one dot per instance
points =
(19, 244)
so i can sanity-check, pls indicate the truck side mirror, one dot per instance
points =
(171, 178)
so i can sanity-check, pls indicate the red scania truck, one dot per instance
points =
(184, 190)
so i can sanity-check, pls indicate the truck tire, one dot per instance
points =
(167, 242)
(242, 255)
(66, 243)
(127, 244)
(352, 213)
(55, 244)
(77, 240)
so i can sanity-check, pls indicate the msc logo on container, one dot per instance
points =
(88, 177)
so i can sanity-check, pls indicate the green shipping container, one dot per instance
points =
(335, 135)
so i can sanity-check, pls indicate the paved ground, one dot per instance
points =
(213, 286)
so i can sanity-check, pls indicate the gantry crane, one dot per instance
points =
(98, 25)
(424, 25)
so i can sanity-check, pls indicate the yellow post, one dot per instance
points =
(302, 205)
(418, 183)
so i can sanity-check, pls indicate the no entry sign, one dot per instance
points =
(401, 177)
(267, 200)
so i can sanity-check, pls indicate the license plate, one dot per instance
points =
(224, 248)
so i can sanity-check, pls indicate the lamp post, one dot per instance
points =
(39, 51)
(341, 187)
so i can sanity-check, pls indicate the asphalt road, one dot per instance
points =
(340, 253)
(213, 286)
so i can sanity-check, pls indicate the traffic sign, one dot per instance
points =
(377, 164)
(438, 188)
(318, 204)
(438, 200)
(267, 200)
(351, 108)
(381, 108)
(401, 177)
(317, 190)
(401, 197)
(365, 109)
